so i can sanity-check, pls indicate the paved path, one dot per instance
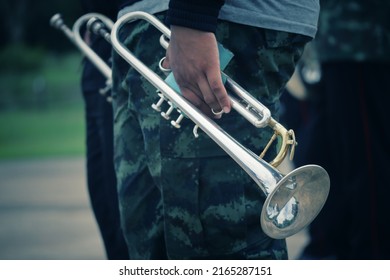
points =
(45, 212)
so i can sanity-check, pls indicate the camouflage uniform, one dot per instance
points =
(197, 203)
(353, 43)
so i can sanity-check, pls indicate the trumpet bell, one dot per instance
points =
(295, 202)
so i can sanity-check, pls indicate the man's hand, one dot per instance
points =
(193, 57)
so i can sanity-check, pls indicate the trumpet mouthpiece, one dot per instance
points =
(56, 20)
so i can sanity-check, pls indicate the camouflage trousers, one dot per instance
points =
(182, 197)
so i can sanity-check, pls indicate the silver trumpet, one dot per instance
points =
(293, 200)
(75, 37)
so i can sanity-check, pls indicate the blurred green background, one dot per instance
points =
(41, 107)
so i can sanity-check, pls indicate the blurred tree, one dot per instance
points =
(27, 22)
(13, 14)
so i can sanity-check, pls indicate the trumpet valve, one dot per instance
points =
(178, 121)
(167, 115)
(157, 106)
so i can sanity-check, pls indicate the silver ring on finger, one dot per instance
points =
(217, 113)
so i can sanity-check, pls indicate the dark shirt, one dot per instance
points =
(196, 14)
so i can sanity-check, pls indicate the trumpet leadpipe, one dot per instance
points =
(75, 37)
(57, 22)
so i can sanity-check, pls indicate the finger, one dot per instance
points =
(219, 91)
(197, 101)
(208, 95)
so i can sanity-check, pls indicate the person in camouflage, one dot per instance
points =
(185, 198)
(101, 177)
(351, 139)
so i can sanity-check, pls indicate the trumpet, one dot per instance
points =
(293, 200)
(74, 36)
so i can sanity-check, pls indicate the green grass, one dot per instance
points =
(41, 107)
(45, 133)
(56, 82)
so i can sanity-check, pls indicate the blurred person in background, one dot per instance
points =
(101, 177)
(349, 132)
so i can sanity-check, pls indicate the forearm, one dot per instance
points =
(196, 14)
